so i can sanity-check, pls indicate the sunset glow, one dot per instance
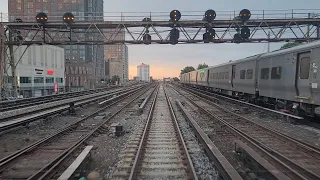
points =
(157, 72)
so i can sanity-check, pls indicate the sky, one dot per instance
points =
(168, 60)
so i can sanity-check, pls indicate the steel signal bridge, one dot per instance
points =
(175, 27)
(264, 26)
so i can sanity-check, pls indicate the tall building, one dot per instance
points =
(84, 64)
(117, 55)
(40, 70)
(144, 72)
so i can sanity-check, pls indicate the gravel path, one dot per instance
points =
(107, 147)
(205, 168)
(11, 113)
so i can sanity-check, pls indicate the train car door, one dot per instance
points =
(233, 74)
(302, 83)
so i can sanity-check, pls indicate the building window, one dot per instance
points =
(59, 80)
(276, 73)
(304, 68)
(264, 73)
(60, 7)
(249, 73)
(25, 79)
(49, 80)
(38, 80)
(8, 79)
(19, 6)
(242, 74)
(30, 5)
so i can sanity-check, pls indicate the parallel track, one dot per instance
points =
(41, 159)
(10, 105)
(216, 96)
(296, 159)
(27, 117)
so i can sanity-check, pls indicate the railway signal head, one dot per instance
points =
(175, 15)
(209, 35)
(245, 14)
(147, 39)
(210, 15)
(237, 38)
(174, 36)
(146, 19)
(42, 18)
(245, 32)
(68, 18)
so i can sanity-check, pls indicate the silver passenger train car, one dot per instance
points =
(284, 79)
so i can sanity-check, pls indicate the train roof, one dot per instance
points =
(301, 47)
(298, 48)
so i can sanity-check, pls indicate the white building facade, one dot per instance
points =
(144, 72)
(40, 71)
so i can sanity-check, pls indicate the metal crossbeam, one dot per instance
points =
(191, 31)
(265, 26)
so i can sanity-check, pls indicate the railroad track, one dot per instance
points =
(27, 117)
(41, 159)
(215, 96)
(21, 103)
(161, 152)
(295, 159)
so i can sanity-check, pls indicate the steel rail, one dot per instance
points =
(7, 160)
(143, 138)
(48, 97)
(210, 94)
(48, 171)
(190, 168)
(65, 103)
(33, 116)
(226, 170)
(289, 167)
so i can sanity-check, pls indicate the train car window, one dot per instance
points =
(226, 76)
(276, 73)
(265, 73)
(304, 68)
(249, 73)
(242, 74)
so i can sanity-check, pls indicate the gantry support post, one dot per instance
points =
(13, 67)
(2, 60)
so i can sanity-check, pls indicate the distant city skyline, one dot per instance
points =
(168, 60)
